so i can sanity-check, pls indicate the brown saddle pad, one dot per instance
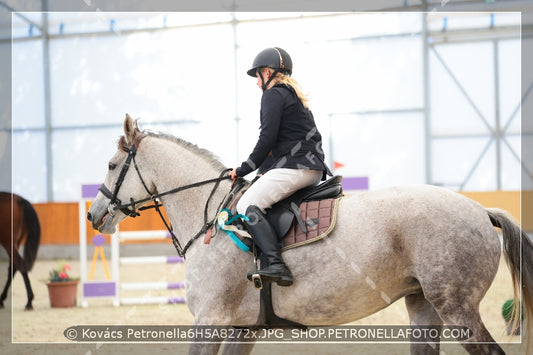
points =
(319, 217)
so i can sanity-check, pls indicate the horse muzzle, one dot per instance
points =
(101, 222)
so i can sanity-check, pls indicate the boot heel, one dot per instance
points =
(285, 281)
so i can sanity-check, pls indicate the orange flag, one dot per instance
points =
(337, 165)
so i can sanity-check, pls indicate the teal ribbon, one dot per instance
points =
(225, 225)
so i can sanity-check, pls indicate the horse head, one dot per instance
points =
(123, 186)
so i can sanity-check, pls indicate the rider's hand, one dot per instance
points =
(233, 174)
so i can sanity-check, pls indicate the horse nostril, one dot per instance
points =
(89, 216)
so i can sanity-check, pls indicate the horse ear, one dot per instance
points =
(129, 129)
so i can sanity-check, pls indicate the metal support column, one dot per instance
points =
(498, 134)
(330, 141)
(47, 104)
(427, 99)
(236, 85)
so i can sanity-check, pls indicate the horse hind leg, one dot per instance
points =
(29, 291)
(6, 287)
(481, 342)
(20, 265)
(462, 311)
(422, 313)
(27, 284)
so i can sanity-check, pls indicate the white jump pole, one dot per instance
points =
(111, 288)
(152, 300)
(90, 288)
(115, 251)
(136, 286)
(144, 235)
(150, 260)
(135, 260)
(83, 249)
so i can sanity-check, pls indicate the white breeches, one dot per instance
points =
(275, 185)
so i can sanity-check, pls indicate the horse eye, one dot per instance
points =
(112, 166)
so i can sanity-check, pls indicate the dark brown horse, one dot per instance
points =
(19, 224)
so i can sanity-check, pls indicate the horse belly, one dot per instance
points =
(337, 285)
(326, 308)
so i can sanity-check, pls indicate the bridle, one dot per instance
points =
(130, 210)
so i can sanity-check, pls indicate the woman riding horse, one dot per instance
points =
(432, 246)
(288, 132)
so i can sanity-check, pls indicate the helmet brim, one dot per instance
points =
(252, 72)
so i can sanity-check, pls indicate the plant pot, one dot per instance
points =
(63, 293)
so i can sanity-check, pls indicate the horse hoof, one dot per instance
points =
(28, 308)
(1, 306)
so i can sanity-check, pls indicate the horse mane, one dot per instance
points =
(204, 153)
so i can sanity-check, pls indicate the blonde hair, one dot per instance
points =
(287, 80)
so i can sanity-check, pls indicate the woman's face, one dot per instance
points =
(266, 76)
(259, 82)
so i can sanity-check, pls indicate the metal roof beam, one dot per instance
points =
(18, 14)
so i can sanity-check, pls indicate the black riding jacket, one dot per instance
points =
(289, 132)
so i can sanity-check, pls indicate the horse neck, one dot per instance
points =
(172, 166)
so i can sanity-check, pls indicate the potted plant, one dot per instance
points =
(62, 288)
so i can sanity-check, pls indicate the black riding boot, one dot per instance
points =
(266, 239)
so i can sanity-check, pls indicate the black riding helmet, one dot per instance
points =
(275, 58)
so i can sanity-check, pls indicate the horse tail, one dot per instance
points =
(518, 249)
(33, 234)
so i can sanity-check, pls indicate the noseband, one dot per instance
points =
(130, 209)
(115, 203)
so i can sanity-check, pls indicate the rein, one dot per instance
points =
(116, 204)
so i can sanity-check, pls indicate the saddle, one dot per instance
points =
(304, 217)
(307, 215)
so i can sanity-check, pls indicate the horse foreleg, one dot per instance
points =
(203, 345)
(238, 345)
(6, 287)
(235, 345)
(422, 313)
(204, 348)
(29, 291)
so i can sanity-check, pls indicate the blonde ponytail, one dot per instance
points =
(287, 80)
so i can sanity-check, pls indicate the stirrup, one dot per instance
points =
(255, 277)
(258, 282)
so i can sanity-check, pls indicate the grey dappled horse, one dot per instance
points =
(436, 248)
